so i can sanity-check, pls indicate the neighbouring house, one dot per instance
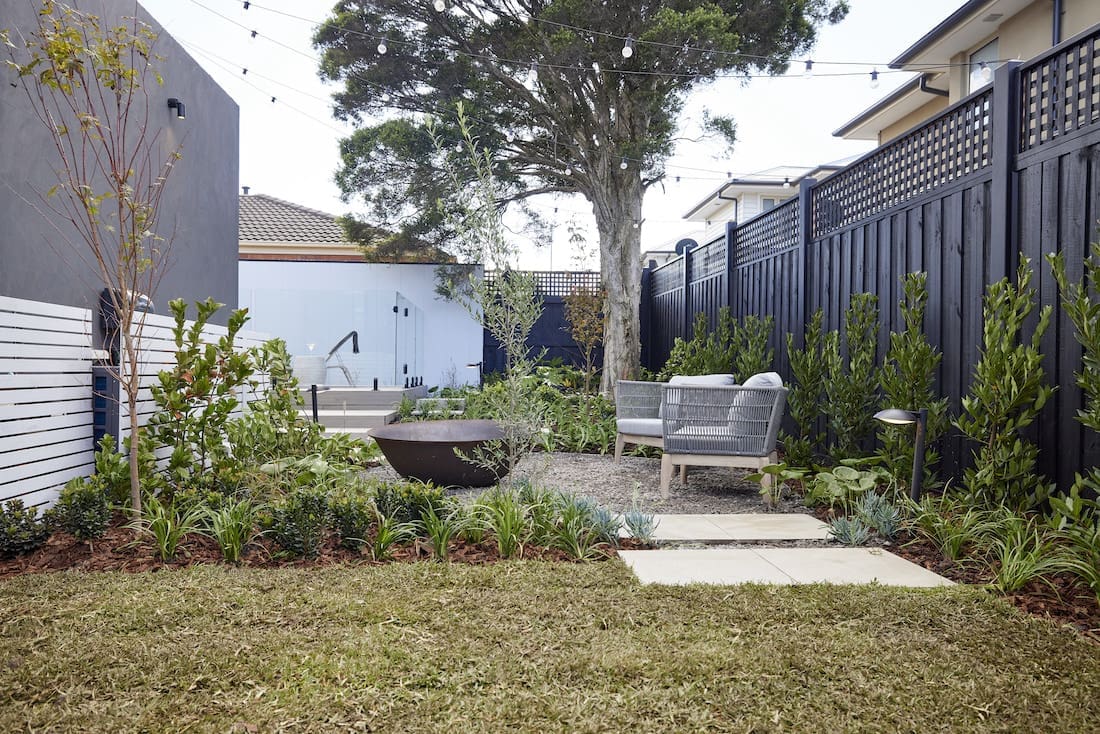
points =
(304, 282)
(43, 259)
(741, 198)
(959, 56)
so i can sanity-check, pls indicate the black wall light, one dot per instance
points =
(177, 105)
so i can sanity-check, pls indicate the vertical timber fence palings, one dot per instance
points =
(1013, 168)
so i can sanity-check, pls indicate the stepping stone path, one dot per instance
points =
(783, 566)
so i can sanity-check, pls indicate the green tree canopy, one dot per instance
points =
(549, 89)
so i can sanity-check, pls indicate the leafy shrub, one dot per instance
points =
(849, 530)
(409, 501)
(851, 389)
(1008, 391)
(233, 526)
(167, 524)
(908, 379)
(112, 471)
(773, 480)
(20, 529)
(584, 314)
(751, 351)
(298, 524)
(352, 517)
(844, 486)
(807, 393)
(740, 348)
(83, 510)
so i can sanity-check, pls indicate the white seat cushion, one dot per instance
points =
(640, 426)
(705, 380)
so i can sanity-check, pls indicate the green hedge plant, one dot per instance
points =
(807, 393)
(1008, 391)
(851, 387)
(21, 530)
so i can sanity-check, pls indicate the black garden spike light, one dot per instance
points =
(900, 417)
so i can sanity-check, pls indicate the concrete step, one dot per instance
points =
(340, 420)
(362, 398)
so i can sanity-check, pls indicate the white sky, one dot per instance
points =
(289, 149)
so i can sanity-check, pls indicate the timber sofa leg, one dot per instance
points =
(666, 475)
(619, 443)
(683, 474)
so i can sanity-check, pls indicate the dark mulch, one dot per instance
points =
(118, 551)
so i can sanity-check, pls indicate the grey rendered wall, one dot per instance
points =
(42, 260)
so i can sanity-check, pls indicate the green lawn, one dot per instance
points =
(524, 646)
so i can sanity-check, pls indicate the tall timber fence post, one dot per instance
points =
(645, 314)
(805, 272)
(732, 281)
(686, 293)
(1004, 144)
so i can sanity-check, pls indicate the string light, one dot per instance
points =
(874, 79)
(246, 4)
(439, 6)
(787, 182)
(985, 72)
(596, 66)
(510, 137)
(382, 47)
(568, 170)
(624, 165)
(628, 47)
(809, 69)
(254, 34)
(533, 73)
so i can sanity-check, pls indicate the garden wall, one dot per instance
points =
(1014, 168)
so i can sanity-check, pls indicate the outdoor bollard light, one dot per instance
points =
(479, 366)
(899, 417)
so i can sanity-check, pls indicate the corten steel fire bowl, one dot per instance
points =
(425, 450)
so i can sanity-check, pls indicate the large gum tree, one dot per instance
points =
(548, 88)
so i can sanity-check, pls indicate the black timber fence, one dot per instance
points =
(1012, 169)
(551, 335)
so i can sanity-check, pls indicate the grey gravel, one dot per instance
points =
(709, 490)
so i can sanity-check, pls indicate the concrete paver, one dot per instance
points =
(752, 526)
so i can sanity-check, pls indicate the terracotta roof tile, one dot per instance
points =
(267, 219)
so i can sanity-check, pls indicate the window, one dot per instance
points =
(767, 203)
(982, 63)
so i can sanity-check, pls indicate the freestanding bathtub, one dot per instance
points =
(425, 450)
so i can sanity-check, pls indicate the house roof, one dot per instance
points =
(907, 96)
(972, 22)
(264, 218)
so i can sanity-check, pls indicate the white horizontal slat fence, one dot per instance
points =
(46, 392)
(45, 398)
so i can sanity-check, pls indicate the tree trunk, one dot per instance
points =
(131, 383)
(618, 218)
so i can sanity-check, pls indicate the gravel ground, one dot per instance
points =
(708, 491)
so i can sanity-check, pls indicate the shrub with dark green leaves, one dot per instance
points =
(298, 524)
(352, 516)
(1008, 391)
(908, 379)
(738, 348)
(83, 510)
(807, 393)
(112, 471)
(851, 389)
(408, 501)
(20, 529)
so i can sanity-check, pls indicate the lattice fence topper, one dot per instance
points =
(1060, 93)
(769, 233)
(709, 260)
(953, 145)
(668, 277)
(555, 283)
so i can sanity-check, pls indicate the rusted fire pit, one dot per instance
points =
(425, 450)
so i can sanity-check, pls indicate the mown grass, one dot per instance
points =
(523, 646)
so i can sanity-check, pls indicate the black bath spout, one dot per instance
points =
(354, 336)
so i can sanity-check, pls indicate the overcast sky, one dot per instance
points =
(289, 148)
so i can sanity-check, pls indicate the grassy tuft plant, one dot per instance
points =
(509, 522)
(1022, 551)
(389, 531)
(233, 525)
(952, 525)
(849, 531)
(167, 524)
(578, 537)
(1080, 553)
(441, 529)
